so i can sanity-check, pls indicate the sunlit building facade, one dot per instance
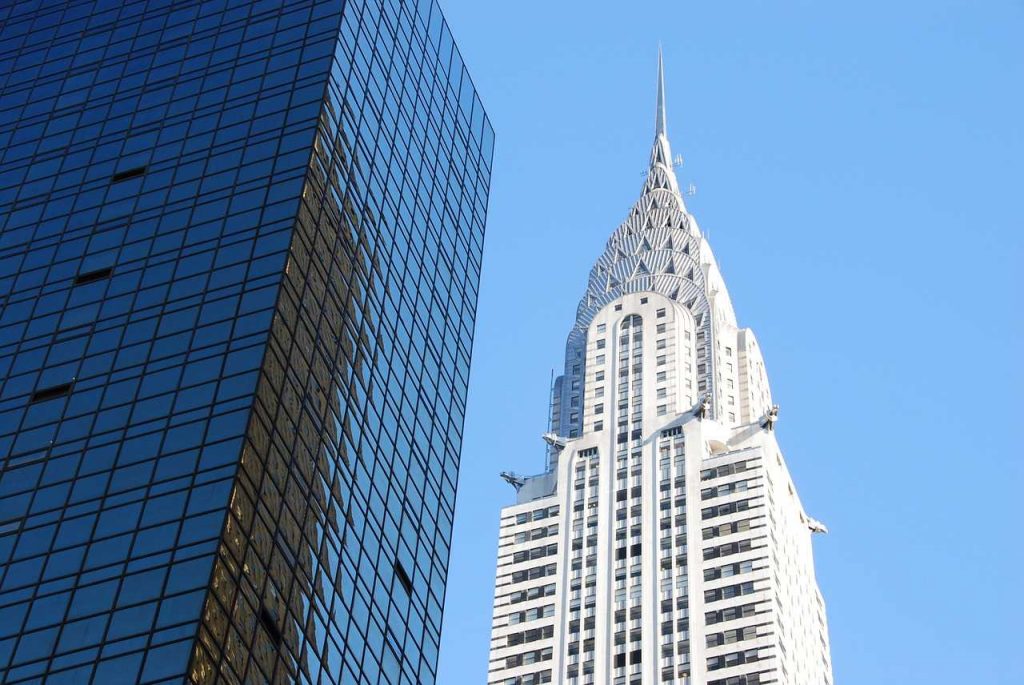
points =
(665, 542)
(240, 245)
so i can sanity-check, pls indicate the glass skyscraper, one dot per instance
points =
(239, 259)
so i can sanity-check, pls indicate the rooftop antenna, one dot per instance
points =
(691, 189)
(677, 162)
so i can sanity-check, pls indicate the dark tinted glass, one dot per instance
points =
(239, 253)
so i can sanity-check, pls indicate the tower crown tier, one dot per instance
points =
(659, 248)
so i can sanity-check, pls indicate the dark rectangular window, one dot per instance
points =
(93, 276)
(270, 625)
(403, 577)
(53, 392)
(128, 173)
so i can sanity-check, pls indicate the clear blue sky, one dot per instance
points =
(860, 169)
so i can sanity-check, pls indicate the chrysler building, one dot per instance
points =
(664, 542)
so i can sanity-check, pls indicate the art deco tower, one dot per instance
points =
(665, 542)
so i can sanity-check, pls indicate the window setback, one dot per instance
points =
(403, 577)
(270, 625)
(53, 392)
(128, 173)
(93, 276)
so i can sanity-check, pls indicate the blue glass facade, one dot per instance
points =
(239, 260)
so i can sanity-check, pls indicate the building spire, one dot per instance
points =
(660, 174)
(661, 154)
(659, 125)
